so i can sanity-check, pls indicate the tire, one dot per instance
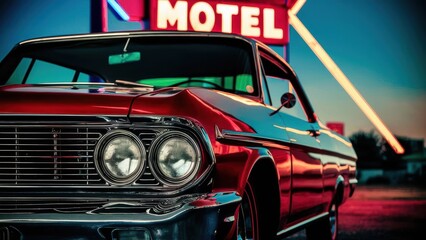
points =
(326, 228)
(248, 216)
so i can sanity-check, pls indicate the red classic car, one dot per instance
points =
(163, 135)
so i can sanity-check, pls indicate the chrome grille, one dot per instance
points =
(147, 179)
(59, 155)
(48, 155)
(48, 166)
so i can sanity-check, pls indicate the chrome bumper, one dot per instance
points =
(210, 216)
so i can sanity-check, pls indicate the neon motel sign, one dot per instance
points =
(265, 22)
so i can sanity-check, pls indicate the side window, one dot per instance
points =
(44, 72)
(19, 74)
(37, 71)
(83, 77)
(277, 87)
(278, 84)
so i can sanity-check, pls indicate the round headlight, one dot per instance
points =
(175, 158)
(120, 157)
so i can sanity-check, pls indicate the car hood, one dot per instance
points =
(27, 99)
(210, 108)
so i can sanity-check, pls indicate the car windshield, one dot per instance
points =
(224, 64)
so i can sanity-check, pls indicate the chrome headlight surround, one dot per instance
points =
(175, 158)
(120, 157)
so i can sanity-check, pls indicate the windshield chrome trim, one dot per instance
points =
(131, 34)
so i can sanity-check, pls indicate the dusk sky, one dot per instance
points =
(378, 44)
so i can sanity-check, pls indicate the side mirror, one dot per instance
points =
(288, 100)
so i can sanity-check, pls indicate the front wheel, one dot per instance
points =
(326, 228)
(247, 216)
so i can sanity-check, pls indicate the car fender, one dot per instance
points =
(234, 169)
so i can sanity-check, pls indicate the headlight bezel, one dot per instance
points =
(153, 158)
(100, 164)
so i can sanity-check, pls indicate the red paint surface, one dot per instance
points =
(39, 100)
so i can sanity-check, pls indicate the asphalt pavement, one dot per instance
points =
(382, 212)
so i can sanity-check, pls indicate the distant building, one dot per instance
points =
(411, 166)
(337, 127)
(411, 145)
(416, 163)
(414, 157)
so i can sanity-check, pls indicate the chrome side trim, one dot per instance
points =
(301, 224)
(245, 138)
(254, 139)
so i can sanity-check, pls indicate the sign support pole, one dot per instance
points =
(341, 78)
(98, 16)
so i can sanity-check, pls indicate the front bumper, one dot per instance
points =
(210, 216)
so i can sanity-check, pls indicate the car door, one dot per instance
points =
(302, 130)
